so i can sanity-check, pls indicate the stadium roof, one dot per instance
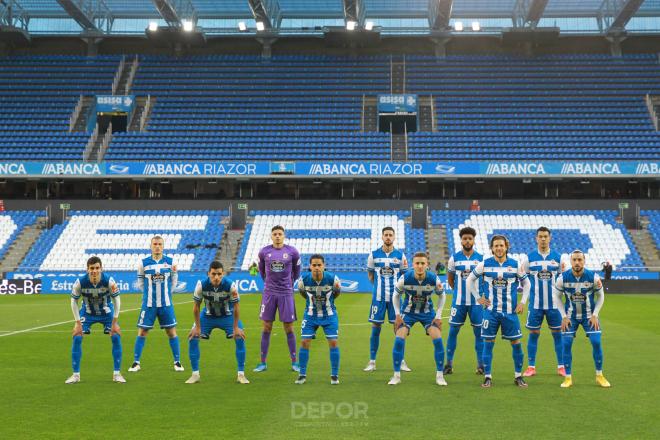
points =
(301, 17)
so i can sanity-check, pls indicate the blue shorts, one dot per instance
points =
(88, 320)
(378, 309)
(492, 322)
(148, 315)
(586, 325)
(310, 324)
(426, 319)
(458, 314)
(535, 318)
(225, 323)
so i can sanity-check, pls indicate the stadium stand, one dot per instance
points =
(345, 238)
(38, 95)
(120, 238)
(240, 107)
(654, 223)
(594, 232)
(554, 107)
(310, 107)
(12, 224)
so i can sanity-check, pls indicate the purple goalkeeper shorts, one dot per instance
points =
(284, 303)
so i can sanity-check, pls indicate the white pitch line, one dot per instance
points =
(35, 329)
(55, 324)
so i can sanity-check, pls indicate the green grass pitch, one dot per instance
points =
(155, 403)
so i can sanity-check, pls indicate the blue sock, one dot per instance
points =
(334, 361)
(374, 341)
(478, 344)
(556, 336)
(451, 342)
(518, 357)
(597, 350)
(76, 353)
(240, 353)
(116, 351)
(487, 356)
(438, 354)
(139, 346)
(303, 359)
(194, 354)
(176, 349)
(567, 342)
(532, 346)
(397, 353)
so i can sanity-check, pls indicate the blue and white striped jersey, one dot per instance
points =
(461, 266)
(386, 268)
(418, 294)
(218, 301)
(579, 293)
(499, 283)
(157, 279)
(543, 271)
(96, 297)
(320, 296)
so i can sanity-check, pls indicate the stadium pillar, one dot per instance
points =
(266, 47)
(615, 44)
(92, 46)
(440, 46)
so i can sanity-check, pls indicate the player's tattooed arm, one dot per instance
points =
(301, 288)
(336, 287)
(451, 270)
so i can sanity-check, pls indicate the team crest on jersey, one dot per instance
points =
(387, 271)
(395, 261)
(500, 283)
(544, 275)
(276, 266)
(578, 297)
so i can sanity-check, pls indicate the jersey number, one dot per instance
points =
(374, 311)
(141, 317)
(453, 311)
(302, 324)
(485, 323)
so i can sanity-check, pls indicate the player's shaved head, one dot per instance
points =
(577, 261)
(157, 246)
